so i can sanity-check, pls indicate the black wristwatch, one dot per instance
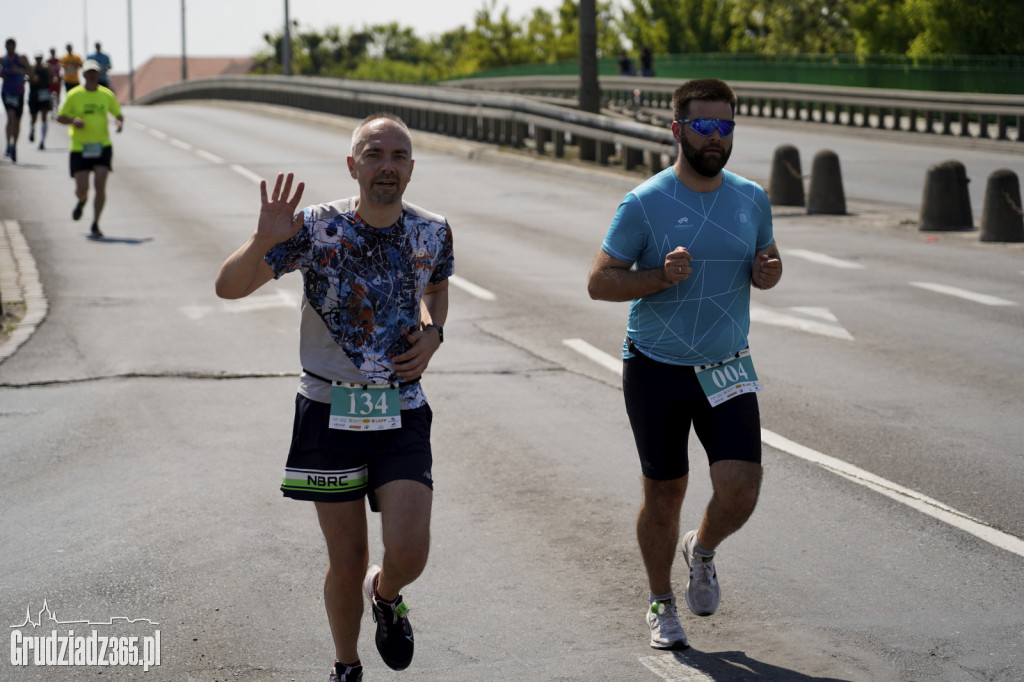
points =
(440, 331)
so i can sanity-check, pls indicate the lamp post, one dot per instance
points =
(184, 61)
(286, 45)
(131, 62)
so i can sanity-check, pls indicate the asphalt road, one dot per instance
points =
(145, 424)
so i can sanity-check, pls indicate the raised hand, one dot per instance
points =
(278, 220)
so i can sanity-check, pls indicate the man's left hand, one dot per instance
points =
(413, 363)
(767, 271)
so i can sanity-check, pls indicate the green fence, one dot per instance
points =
(978, 74)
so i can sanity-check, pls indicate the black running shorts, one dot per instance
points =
(80, 163)
(662, 401)
(334, 465)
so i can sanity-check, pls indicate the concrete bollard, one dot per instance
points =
(1002, 219)
(826, 189)
(946, 205)
(786, 187)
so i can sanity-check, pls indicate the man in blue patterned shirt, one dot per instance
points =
(375, 274)
(685, 247)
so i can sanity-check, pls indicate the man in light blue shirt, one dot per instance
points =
(685, 246)
(103, 59)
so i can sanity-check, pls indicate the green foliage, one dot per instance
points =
(914, 28)
(785, 27)
(679, 26)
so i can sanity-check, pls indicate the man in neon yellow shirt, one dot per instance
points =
(86, 109)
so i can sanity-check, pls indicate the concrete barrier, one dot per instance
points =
(826, 190)
(786, 187)
(946, 204)
(1002, 219)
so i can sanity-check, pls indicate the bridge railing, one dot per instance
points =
(496, 118)
(538, 113)
(985, 116)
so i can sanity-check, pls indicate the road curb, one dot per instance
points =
(21, 284)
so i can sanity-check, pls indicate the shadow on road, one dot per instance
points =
(736, 666)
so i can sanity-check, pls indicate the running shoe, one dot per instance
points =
(32, 135)
(95, 231)
(77, 213)
(42, 144)
(703, 594)
(14, 154)
(666, 632)
(346, 673)
(394, 633)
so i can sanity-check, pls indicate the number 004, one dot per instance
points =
(728, 374)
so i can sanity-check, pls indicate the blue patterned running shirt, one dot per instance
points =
(706, 317)
(362, 288)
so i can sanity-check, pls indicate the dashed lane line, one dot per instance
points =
(823, 259)
(472, 289)
(962, 293)
(212, 158)
(246, 173)
(595, 354)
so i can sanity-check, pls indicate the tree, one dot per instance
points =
(786, 27)
(678, 26)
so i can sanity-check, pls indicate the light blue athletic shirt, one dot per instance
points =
(705, 318)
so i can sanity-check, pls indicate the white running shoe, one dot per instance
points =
(703, 593)
(666, 632)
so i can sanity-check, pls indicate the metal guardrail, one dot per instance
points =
(996, 117)
(496, 118)
(546, 121)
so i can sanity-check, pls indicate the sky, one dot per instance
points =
(217, 28)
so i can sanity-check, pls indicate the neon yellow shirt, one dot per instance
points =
(93, 108)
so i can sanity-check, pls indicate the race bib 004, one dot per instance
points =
(729, 378)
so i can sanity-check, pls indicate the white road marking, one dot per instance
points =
(915, 500)
(472, 289)
(906, 496)
(180, 144)
(212, 158)
(823, 323)
(246, 173)
(282, 298)
(671, 669)
(158, 134)
(962, 293)
(823, 259)
(596, 354)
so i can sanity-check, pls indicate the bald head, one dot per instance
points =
(374, 124)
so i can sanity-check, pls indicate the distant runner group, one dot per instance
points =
(87, 106)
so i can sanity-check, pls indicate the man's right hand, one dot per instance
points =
(278, 220)
(677, 265)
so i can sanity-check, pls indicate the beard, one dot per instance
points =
(385, 197)
(708, 166)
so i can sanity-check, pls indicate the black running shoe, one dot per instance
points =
(77, 213)
(394, 633)
(95, 231)
(346, 673)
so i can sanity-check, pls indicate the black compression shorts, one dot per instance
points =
(662, 401)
